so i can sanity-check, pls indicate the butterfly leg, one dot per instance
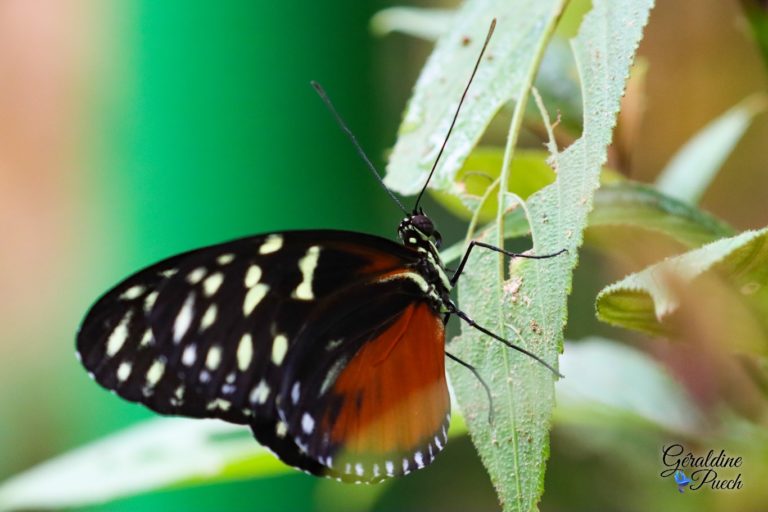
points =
(511, 345)
(476, 374)
(474, 243)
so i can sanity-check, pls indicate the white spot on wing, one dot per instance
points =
(169, 272)
(196, 275)
(376, 470)
(281, 429)
(405, 466)
(209, 317)
(252, 276)
(295, 393)
(256, 291)
(307, 266)
(390, 467)
(279, 348)
(333, 344)
(189, 356)
(118, 336)
(124, 371)
(183, 319)
(150, 301)
(359, 469)
(133, 292)
(271, 244)
(332, 375)
(419, 459)
(212, 283)
(253, 297)
(307, 423)
(219, 404)
(155, 372)
(225, 259)
(244, 352)
(146, 339)
(213, 359)
(260, 393)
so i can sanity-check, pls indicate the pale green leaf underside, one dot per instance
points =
(153, 455)
(642, 301)
(156, 454)
(521, 25)
(426, 23)
(694, 166)
(530, 308)
(601, 385)
(556, 81)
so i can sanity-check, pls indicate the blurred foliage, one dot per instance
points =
(645, 301)
(174, 147)
(690, 171)
(756, 12)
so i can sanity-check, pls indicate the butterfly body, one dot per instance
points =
(329, 344)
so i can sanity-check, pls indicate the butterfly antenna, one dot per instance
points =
(324, 96)
(456, 114)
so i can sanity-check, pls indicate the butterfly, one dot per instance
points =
(329, 344)
(682, 480)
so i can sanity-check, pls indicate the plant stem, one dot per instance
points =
(514, 130)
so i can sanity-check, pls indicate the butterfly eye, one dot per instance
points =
(423, 224)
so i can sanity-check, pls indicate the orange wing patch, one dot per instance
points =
(395, 404)
(378, 262)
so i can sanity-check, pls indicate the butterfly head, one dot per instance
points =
(417, 229)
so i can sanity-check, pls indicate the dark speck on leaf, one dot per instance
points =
(465, 41)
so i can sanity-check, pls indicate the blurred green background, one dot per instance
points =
(134, 130)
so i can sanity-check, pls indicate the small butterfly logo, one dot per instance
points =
(682, 480)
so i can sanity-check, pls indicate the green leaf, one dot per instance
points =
(557, 78)
(529, 169)
(530, 307)
(156, 454)
(153, 455)
(644, 300)
(757, 15)
(635, 205)
(516, 47)
(600, 385)
(694, 166)
(426, 23)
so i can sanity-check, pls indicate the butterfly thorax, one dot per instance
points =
(418, 233)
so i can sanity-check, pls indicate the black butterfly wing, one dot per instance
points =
(117, 346)
(204, 334)
(365, 392)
